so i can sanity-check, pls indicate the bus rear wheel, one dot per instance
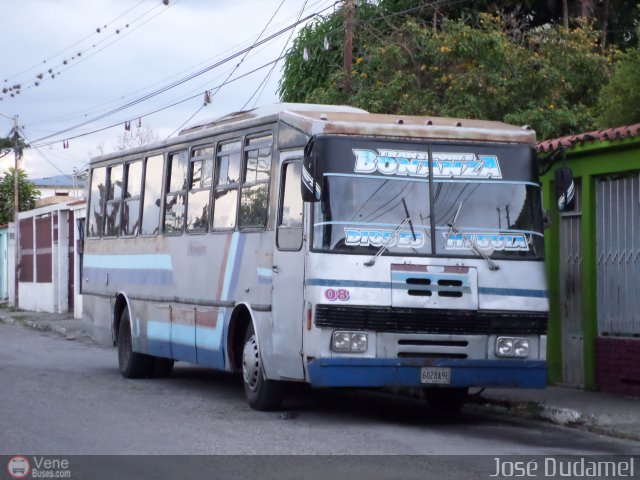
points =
(131, 364)
(262, 394)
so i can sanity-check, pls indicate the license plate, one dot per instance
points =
(435, 375)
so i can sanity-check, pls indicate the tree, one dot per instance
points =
(620, 99)
(135, 138)
(546, 77)
(7, 145)
(27, 193)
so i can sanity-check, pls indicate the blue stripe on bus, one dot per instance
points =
(137, 277)
(128, 262)
(326, 282)
(514, 292)
(197, 344)
(505, 292)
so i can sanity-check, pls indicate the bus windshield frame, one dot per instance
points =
(444, 199)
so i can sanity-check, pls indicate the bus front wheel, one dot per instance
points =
(262, 394)
(131, 364)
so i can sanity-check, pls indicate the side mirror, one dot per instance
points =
(546, 219)
(565, 190)
(310, 185)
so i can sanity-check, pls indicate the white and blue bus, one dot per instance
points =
(324, 245)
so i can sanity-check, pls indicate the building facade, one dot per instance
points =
(50, 262)
(593, 254)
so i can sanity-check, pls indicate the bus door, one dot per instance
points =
(288, 276)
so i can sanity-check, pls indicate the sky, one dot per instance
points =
(90, 57)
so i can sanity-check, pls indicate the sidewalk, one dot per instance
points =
(603, 413)
(63, 324)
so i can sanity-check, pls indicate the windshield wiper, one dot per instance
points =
(408, 217)
(384, 246)
(454, 228)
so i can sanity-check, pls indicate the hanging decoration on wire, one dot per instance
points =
(207, 98)
(127, 126)
(139, 122)
(65, 144)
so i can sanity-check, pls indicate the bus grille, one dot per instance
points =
(422, 320)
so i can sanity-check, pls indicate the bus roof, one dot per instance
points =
(339, 119)
(344, 120)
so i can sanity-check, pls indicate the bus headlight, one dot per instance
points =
(512, 347)
(349, 342)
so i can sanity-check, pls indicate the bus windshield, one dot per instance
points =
(472, 217)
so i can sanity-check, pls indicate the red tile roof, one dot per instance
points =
(617, 133)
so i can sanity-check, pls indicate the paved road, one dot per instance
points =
(66, 397)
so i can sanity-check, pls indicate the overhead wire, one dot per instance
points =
(41, 154)
(98, 108)
(119, 36)
(36, 144)
(178, 82)
(209, 96)
(266, 78)
(60, 52)
(40, 142)
(78, 58)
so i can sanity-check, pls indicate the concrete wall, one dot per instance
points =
(50, 295)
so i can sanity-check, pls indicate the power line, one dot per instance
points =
(266, 78)
(95, 109)
(78, 58)
(209, 96)
(115, 34)
(42, 155)
(101, 107)
(51, 57)
(178, 82)
(37, 144)
(147, 114)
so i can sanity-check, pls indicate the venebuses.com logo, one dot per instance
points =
(18, 467)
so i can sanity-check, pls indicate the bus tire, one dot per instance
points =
(161, 367)
(446, 400)
(131, 364)
(262, 394)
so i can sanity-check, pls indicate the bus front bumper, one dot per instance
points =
(377, 372)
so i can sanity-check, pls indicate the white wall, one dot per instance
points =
(39, 297)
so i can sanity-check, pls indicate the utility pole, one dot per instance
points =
(347, 54)
(17, 153)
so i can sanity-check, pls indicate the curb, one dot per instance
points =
(564, 417)
(44, 327)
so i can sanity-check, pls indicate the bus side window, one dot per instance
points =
(131, 203)
(174, 205)
(201, 179)
(254, 194)
(152, 195)
(114, 197)
(289, 234)
(226, 189)
(96, 202)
